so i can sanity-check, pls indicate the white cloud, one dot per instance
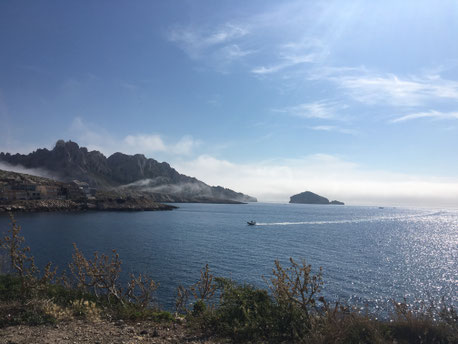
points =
(319, 109)
(431, 114)
(94, 138)
(185, 146)
(144, 143)
(330, 176)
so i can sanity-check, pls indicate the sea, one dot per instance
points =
(370, 256)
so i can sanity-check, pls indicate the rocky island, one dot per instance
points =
(309, 197)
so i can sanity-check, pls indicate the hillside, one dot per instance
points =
(27, 193)
(120, 172)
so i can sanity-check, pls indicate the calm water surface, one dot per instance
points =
(369, 255)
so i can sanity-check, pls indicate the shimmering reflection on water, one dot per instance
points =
(368, 255)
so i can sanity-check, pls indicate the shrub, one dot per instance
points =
(203, 292)
(294, 289)
(296, 285)
(101, 275)
(204, 289)
(245, 313)
(22, 263)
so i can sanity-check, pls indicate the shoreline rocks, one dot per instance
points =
(95, 205)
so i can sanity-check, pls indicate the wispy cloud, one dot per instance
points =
(286, 62)
(278, 35)
(197, 41)
(319, 109)
(234, 52)
(334, 129)
(293, 54)
(373, 88)
(431, 114)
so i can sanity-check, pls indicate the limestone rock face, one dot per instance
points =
(308, 197)
(68, 161)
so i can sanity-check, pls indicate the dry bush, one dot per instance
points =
(296, 285)
(204, 289)
(181, 301)
(4, 261)
(76, 308)
(145, 296)
(101, 275)
(203, 292)
(22, 263)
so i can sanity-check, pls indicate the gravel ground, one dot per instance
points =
(101, 332)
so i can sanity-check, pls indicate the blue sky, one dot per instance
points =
(356, 100)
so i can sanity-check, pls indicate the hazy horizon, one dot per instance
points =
(353, 100)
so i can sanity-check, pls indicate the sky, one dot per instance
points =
(354, 100)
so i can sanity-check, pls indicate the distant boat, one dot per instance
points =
(381, 207)
(251, 223)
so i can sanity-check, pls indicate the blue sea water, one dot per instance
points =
(369, 256)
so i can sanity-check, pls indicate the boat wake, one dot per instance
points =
(369, 219)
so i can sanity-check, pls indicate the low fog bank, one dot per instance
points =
(39, 172)
(194, 190)
(329, 176)
(162, 185)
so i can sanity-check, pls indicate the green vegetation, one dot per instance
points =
(289, 310)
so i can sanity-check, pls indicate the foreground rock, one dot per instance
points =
(102, 332)
(308, 197)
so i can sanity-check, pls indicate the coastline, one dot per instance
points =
(128, 204)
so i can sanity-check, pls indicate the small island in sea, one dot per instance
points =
(309, 197)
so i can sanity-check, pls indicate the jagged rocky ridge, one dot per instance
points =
(122, 173)
(308, 197)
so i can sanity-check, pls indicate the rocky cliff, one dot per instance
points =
(67, 161)
(308, 197)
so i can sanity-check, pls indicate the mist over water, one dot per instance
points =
(369, 255)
